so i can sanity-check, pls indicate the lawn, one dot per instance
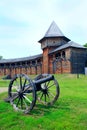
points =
(68, 113)
(4, 83)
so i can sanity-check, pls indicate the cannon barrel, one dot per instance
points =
(43, 80)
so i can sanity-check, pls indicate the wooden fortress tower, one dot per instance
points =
(60, 55)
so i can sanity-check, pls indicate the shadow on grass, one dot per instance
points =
(41, 110)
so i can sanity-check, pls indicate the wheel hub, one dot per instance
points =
(45, 91)
(20, 94)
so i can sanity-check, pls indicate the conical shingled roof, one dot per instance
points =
(53, 31)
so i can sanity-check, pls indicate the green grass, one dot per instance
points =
(68, 113)
(4, 83)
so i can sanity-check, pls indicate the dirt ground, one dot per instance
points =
(3, 89)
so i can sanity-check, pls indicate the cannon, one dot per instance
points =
(23, 91)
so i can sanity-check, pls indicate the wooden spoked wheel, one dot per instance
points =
(22, 93)
(49, 89)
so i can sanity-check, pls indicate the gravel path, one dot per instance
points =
(3, 89)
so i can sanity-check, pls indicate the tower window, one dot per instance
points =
(58, 55)
(63, 54)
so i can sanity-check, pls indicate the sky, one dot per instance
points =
(24, 22)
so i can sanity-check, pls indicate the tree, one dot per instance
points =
(85, 45)
(1, 57)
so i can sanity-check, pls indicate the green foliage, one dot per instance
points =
(1, 57)
(68, 113)
(85, 45)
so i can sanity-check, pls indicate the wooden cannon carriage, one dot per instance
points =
(23, 92)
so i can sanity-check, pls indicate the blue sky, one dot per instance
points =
(24, 22)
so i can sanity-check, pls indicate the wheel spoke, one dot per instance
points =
(41, 96)
(24, 84)
(45, 97)
(25, 103)
(18, 101)
(51, 85)
(17, 85)
(20, 82)
(28, 85)
(51, 94)
(48, 83)
(14, 92)
(28, 99)
(21, 103)
(26, 88)
(26, 93)
(48, 97)
(14, 97)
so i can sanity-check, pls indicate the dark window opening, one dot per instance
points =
(39, 61)
(33, 62)
(58, 55)
(63, 54)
